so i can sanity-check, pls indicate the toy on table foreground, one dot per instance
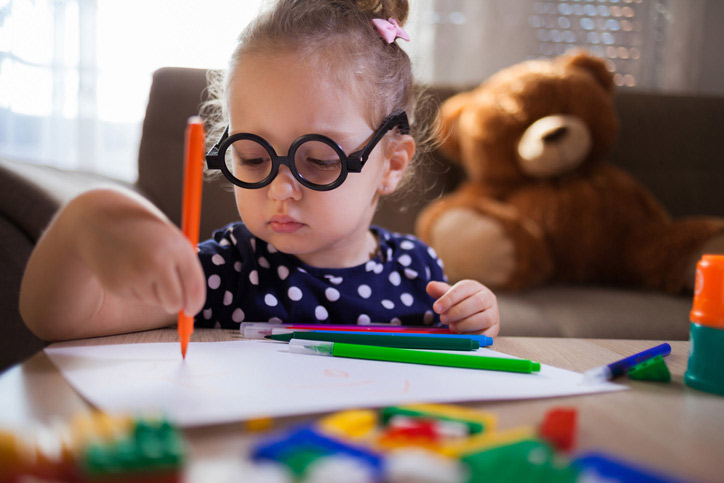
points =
(434, 443)
(705, 368)
(95, 447)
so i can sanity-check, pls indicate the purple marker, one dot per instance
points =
(619, 368)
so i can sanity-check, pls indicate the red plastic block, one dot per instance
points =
(559, 428)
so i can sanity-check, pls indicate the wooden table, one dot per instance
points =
(668, 426)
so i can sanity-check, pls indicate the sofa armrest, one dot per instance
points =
(29, 198)
(32, 194)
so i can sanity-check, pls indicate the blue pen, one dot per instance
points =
(619, 368)
(484, 340)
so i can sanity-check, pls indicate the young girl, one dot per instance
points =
(318, 102)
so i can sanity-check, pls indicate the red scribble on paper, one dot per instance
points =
(335, 373)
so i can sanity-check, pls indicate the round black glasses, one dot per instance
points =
(316, 161)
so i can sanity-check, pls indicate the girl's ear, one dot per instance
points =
(400, 151)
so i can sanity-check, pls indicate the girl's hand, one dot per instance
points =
(109, 262)
(467, 306)
(138, 255)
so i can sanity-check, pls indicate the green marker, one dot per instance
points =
(340, 349)
(411, 342)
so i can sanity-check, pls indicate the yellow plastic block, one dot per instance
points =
(487, 440)
(259, 424)
(354, 423)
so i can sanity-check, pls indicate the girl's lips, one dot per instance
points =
(284, 224)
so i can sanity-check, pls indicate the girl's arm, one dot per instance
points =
(110, 262)
(467, 306)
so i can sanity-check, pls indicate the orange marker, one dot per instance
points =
(191, 213)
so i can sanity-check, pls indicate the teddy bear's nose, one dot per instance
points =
(553, 145)
(555, 134)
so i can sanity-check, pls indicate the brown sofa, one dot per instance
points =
(673, 144)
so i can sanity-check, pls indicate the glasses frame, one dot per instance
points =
(351, 163)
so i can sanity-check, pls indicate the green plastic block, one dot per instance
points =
(149, 446)
(299, 458)
(525, 461)
(653, 369)
(387, 413)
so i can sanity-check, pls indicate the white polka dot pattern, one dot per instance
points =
(249, 279)
(214, 282)
(332, 294)
(320, 313)
(294, 293)
(237, 315)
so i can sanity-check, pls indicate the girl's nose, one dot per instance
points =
(285, 186)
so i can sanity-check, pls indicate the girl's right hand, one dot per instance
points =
(109, 262)
(137, 254)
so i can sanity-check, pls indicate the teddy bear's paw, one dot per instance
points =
(554, 145)
(473, 246)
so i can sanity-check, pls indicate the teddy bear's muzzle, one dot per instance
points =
(553, 145)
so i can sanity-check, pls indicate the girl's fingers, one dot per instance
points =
(486, 323)
(479, 301)
(193, 281)
(169, 291)
(455, 294)
(467, 306)
(436, 289)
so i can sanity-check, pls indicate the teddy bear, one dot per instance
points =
(541, 203)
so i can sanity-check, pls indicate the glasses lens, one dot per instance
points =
(248, 161)
(318, 162)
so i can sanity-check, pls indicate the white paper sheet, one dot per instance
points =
(221, 382)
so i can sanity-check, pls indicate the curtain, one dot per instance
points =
(74, 74)
(667, 45)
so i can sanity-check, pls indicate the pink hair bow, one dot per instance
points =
(390, 30)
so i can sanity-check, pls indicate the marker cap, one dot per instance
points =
(318, 347)
(708, 306)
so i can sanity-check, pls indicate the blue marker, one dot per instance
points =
(619, 368)
(484, 340)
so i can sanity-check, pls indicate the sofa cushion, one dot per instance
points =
(594, 312)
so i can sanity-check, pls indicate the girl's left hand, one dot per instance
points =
(467, 306)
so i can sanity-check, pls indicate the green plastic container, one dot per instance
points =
(705, 369)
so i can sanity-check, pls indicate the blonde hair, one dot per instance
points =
(340, 40)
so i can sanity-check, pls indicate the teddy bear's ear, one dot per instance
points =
(448, 130)
(595, 66)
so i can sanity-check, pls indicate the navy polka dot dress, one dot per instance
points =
(249, 280)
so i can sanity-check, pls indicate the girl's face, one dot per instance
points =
(280, 99)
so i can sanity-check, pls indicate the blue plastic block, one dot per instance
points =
(305, 438)
(617, 469)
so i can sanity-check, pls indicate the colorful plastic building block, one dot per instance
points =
(152, 450)
(353, 423)
(525, 461)
(597, 466)
(419, 465)
(258, 424)
(654, 369)
(559, 428)
(301, 445)
(477, 421)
